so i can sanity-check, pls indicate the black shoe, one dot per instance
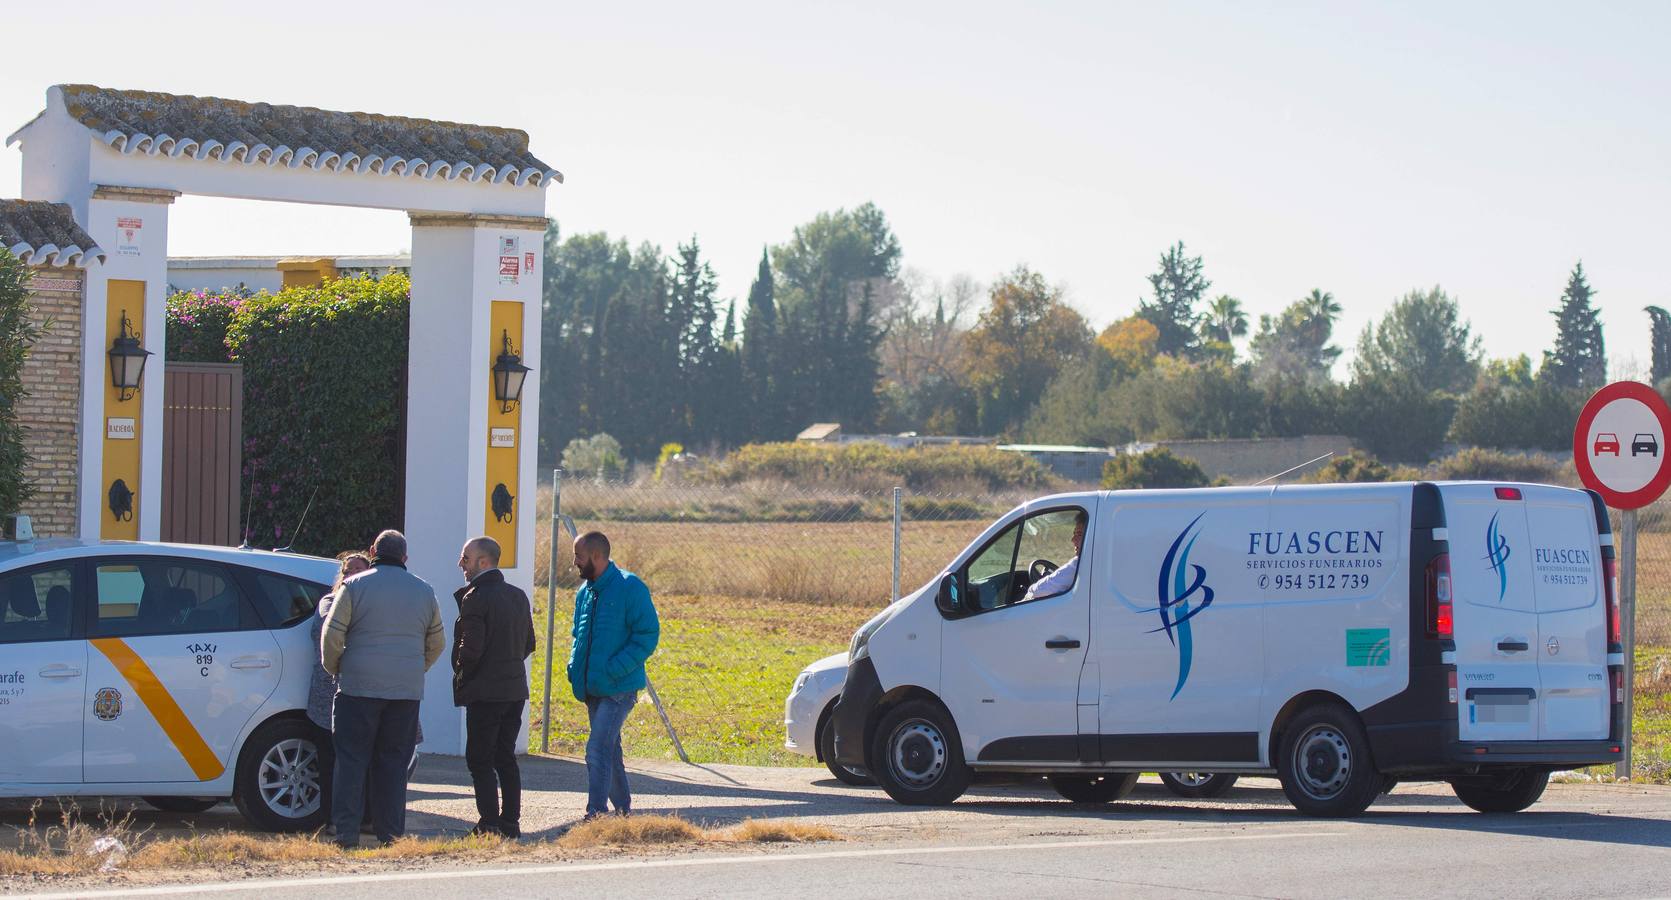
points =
(511, 830)
(346, 845)
(486, 827)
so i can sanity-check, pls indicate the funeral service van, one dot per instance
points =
(1341, 637)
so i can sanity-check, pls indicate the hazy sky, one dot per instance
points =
(1364, 149)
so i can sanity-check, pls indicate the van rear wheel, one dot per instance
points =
(1507, 793)
(281, 783)
(1324, 763)
(1198, 784)
(1094, 788)
(917, 756)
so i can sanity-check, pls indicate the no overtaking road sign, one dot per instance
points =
(1620, 447)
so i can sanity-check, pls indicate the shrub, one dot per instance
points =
(17, 334)
(197, 322)
(598, 456)
(1157, 468)
(323, 376)
(873, 465)
(1481, 464)
(1355, 467)
(670, 452)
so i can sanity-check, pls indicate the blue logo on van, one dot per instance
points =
(1497, 553)
(1179, 581)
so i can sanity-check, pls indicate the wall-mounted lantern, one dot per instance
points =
(127, 361)
(508, 375)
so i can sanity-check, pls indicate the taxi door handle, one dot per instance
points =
(60, 672)
(252, 662)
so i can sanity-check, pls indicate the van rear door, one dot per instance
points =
(1564, 565)
(1495, 614)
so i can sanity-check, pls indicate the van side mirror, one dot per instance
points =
(950, 597)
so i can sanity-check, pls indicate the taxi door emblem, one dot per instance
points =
(1554, 646)
(107, 704)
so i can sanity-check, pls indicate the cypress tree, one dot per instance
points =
(1661, 338)
(1579, 359)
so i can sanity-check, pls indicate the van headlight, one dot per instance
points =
(860, 648)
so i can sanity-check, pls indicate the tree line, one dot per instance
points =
(639, 345)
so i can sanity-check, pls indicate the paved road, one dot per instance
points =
(1580, 840)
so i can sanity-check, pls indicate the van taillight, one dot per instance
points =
(1451, 677)
(1506, 493)
(1609, 580)
(1439, 597)
(1618, 686)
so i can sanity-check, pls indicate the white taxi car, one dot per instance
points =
(171, 672)
(806, 716)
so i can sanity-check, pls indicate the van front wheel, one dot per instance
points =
(1324, 763)
(1198, 784)
(917, 756)
(1505, 794)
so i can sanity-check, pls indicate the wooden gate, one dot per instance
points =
(203, 452)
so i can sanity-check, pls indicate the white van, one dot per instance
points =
(1340, 636)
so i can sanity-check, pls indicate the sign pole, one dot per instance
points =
(551, 606)
(1627, 624)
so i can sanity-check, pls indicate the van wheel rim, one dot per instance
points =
(917, 753)
(288, 778)
(1193, 779)
(1322, 762)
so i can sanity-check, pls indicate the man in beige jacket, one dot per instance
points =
(381, 636)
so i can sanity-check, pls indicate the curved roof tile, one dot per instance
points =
(45, 234)
(136, 121)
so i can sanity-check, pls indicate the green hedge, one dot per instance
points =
(872, 465)
(323, 394)
(17, 333)
(1157, 468)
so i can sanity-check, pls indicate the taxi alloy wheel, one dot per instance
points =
(281, 781)
(289, 778)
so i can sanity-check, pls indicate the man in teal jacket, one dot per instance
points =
(615, 631)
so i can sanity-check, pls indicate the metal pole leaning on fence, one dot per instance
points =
(667, 723)
(551, 606)
(897, 494)
(1627, 624)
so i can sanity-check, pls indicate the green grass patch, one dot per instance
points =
(723, 670)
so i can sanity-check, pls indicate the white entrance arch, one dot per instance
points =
(476, 198)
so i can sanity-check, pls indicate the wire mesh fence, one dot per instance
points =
(755, 581)
(752, 582)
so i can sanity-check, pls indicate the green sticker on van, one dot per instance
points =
(1368, 646)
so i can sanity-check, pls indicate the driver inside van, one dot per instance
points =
(1062, 579)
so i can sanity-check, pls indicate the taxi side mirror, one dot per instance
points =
(950, 596)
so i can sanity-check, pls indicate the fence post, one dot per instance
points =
(1627, 622)
(667, 723)
(897, 492)
(551, 606)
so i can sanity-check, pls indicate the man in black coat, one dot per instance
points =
(493, 636)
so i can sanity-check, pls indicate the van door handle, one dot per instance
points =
(1513, 646)
(60, 671)
(252, 662)
(1061, 644)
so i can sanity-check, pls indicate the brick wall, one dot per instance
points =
(49, 409)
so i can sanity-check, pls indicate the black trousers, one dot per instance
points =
(371, 737)
(490, 733)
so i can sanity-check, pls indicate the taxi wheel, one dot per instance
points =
(281, 784)
(182, 804)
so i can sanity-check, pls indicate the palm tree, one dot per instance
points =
(1320, 314)
(1224, 320)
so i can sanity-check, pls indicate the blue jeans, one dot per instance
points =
(373, 740)
(606, 775)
